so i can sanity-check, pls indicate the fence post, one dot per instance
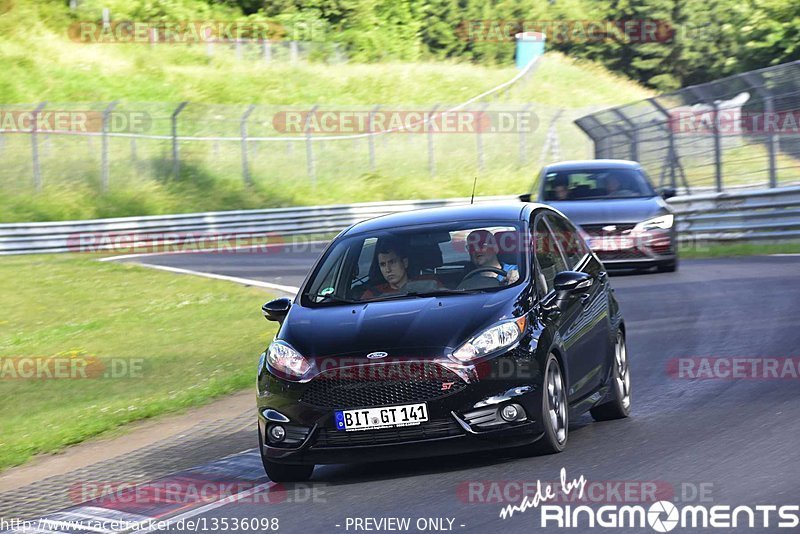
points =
(772, 143)
(312, 173)
(243, 129)
(523, 148)
(176, 162)
(371, 138)
(479, 137)
(267, 51)
(134, 157)
(37, 171)
(431, 155)
(772, 137)
(717, 147)
(294, 52)
(631, 133)
(210, 40)
(104, 147)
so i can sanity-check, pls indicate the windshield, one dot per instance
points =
(454, 258)
(596, 184)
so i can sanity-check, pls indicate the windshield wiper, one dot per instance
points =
(437, 292)
(418, 294)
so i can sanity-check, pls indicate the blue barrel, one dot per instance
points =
(530, 45)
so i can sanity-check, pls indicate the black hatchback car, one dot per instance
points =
(441, 331)
(626, 222)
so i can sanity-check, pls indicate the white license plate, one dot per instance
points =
(384, 417)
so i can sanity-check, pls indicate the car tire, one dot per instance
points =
(620, 406)
(555, 409)
(668, 267)
(283, 472)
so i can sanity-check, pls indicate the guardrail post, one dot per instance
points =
(371, 138)
(431, 155)
(176, 162)
(37, 171)
(312, 173)
(104, 147)
(243, 129)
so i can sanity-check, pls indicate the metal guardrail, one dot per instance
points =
(69, 236)
(768, 214)
(728, 216)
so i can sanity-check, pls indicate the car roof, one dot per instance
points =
(505, 211)
(592, 164)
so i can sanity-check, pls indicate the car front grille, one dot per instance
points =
(596, 230)
(621, 255)
(381, 385)
(441, 428)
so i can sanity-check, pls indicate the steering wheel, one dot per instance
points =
(473, 272)
(470, 282)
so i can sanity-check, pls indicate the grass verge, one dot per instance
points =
(728, 250)
(187, 340)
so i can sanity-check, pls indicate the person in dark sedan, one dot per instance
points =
(483, 250)
(393, 264)
(560, 188)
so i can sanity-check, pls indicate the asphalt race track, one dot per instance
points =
(697, 435)
(718, 441)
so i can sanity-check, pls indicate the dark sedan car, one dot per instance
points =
(626, 223)
(441, 331)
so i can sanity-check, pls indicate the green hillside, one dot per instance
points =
(41, 63)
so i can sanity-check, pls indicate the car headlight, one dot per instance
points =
(283, 358)
(497, 337)
(662, 222)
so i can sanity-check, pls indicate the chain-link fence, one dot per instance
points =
(115, 144)
(741, 130)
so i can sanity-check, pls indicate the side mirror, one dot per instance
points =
(276, 310)
(668, 192)
(570, 283)
(525, 198)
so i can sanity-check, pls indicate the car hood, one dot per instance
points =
(626, 210)
(424, 327)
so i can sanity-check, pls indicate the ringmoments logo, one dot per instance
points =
(660, 516)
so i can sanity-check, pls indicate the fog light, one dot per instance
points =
(276, 433)
(511, 412)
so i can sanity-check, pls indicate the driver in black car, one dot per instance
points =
(483, 250)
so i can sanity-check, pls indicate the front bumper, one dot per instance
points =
(622, 250)
(464, 421)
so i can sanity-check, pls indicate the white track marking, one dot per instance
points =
(244, 281)
(208, 507)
